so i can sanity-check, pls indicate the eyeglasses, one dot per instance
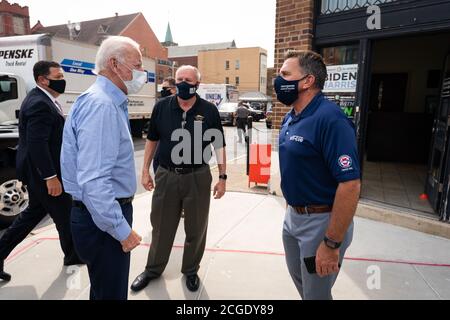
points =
(183, 123)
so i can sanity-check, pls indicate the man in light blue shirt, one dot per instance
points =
(98, 170)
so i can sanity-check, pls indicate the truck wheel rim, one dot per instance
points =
(13, 198)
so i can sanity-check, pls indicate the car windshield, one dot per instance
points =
(228, 107)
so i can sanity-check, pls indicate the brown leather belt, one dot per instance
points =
(313, 209)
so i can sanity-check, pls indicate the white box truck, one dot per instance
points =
(17, 58)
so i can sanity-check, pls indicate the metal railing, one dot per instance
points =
(333, 6)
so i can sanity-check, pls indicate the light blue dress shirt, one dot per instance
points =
(97, 157)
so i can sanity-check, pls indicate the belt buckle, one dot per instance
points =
(306, 210)
(178, 170)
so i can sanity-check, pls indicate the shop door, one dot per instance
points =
(438, 163)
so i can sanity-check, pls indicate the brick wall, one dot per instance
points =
(293, 31)
(8, 11)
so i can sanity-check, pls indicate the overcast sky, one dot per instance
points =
(250, 23)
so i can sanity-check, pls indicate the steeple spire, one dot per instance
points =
(168, 42)
(169, 37)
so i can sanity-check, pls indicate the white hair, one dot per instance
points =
(187, 67)
(113, 47)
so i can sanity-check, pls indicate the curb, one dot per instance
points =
(403, 218)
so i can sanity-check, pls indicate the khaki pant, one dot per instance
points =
(174, 193)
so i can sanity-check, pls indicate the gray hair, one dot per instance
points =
(113, 47)
(187, 67)
(311, 63)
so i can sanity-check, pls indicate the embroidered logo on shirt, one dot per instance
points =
(199, 118)
(297, 138)
(345, 162)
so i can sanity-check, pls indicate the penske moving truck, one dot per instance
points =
(17, 58)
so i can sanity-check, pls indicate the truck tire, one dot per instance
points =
(137, 127)
(13, 198)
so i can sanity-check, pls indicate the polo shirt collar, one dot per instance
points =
(310, 108)
(118, 97)
(176, 105)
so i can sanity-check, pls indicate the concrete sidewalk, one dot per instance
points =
(244, 260)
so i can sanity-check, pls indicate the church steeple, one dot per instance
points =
(168, 42)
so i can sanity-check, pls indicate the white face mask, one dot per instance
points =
(137, 82)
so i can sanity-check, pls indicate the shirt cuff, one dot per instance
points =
(49, 178)
(122, 231)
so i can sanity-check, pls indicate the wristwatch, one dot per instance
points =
(223, 177)
(331, 243)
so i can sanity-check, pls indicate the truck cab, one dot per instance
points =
(13, 194)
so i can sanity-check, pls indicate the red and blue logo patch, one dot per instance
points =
(345, 162)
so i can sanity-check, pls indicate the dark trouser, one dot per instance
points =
(107, 264)
(41, 204)
(241, 127)
(173, 192)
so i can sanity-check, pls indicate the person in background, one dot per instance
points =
(242, 113)
(169, 89)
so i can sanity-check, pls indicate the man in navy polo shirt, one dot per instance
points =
(320, 176)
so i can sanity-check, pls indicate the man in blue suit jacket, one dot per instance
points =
(41, 124)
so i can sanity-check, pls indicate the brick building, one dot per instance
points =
(14, 19)
(134, 26)
(389, 70)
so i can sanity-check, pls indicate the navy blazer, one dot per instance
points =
(40, 138)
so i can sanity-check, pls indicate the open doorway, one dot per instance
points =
(405, 90)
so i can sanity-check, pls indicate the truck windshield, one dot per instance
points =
(8, 88)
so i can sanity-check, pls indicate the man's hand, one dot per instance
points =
(327, 260)
(147, 181)
(54, 187)
(131, 242)
(220, 189)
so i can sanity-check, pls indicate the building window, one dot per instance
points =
(227, 65)
(2, 28)
(341, 55)
(237, 81)
(227, 80)
(19, 25)
(333, 6)
(238, 64)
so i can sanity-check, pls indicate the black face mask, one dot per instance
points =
(57, 85)
(186, 91)
(165, 92)
(287, 91)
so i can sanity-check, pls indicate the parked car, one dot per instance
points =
(269, 116)
(226, 111)
(257, 114)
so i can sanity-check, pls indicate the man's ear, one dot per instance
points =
(42, 80)
(113, 63)
(309, 83)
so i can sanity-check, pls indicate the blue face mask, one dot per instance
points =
(186, 91)
(287, 91)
